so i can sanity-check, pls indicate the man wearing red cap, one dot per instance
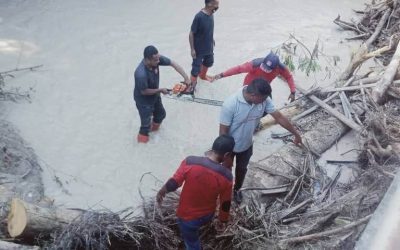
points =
(265, 68)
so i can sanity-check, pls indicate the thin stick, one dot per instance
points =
(327, 233)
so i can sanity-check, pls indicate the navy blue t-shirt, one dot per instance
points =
(146, 78)
(203, 31)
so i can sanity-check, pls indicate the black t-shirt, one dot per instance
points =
(146, 78)
(203, 31)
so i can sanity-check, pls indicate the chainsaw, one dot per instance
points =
(180, 92)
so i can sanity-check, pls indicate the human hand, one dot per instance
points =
(193, 53)
(160, 195)
(164, 91)
(186, 82)
(219, 226)
(216, 77)
(291, 97)
(297, 139)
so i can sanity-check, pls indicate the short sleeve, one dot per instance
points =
(227, 113)
(141, 81)
(269, 106)
(164, 61)
(195, 24)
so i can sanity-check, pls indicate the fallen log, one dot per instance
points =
(378, 93)
(289, 159)
(27, 220)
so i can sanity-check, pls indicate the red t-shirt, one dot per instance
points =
(204, 181)
(254, 71)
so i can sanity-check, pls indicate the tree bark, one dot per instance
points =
(289, 159)
(378, 93)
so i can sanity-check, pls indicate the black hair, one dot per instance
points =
(259, 86)
(208, 1)
(223, 144)
(149, 52)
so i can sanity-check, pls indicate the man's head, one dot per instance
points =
(258, 91)
(151, 56)
(212, 5)
(223, 145)
(271, 61)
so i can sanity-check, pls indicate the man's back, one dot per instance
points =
(205, 180)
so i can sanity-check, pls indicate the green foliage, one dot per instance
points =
(308, 65)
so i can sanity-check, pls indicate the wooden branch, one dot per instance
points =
(284, 213)
(359, 56)
(349, 88)
(346, 109)
(21, 69)
(334, 112)
(327, 233)
(379, 91)
(312, 109)
(378, 28)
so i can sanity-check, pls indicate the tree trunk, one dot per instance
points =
(25, 219)
(378, 93)
(289, 159)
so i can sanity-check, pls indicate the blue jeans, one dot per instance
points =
(190, 231)
(206, 60)
(146, 112)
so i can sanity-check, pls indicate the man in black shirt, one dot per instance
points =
(201, 39)
(147, 91)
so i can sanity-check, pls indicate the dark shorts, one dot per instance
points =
(242, 160)
(206, 60)
(146, 112)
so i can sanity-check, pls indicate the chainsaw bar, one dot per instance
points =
(191, 98)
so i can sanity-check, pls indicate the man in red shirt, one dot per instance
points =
(206, 179)
(265, 68)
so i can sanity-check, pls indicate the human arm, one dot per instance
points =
(191, 42)
(141, 83)
(225, 203)
(242, 68)
(285, 73)
(154, 91)
(180, 70)
(174, 182)
(284, 122)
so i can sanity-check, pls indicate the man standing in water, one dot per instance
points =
(201, 39)
(266, 68)
(207, 180)
(147, 91)
(240, 115)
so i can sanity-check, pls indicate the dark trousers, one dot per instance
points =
(242, 160)
(156, 111)
(206, 60)
(190, 231)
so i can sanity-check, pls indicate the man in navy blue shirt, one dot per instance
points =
(201, 39)
(147, 91)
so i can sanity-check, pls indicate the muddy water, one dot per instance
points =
(82, 121)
